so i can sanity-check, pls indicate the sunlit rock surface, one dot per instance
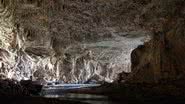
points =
(73, 41)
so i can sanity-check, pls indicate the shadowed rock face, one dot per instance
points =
(12, 88)
(73, 41)
(162, 58)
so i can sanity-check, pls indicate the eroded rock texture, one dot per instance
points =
(69, 40)
(162, 58)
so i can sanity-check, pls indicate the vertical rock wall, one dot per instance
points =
(162, 58)
(7, 38)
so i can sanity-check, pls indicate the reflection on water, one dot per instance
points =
(60, 91)
(88, 98)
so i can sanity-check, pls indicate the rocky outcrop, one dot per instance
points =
(162, 58)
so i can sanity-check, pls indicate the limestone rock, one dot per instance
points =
(39, 34)
(162, 58)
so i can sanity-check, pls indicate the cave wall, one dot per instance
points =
(73, 41)
(67, 39)
(7, 38)
(162, 58)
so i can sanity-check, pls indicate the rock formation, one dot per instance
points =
(67, 40)
(76, 41)
(162, 59)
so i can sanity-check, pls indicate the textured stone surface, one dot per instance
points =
(80, 40)
(162, 58)
(69, 40)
